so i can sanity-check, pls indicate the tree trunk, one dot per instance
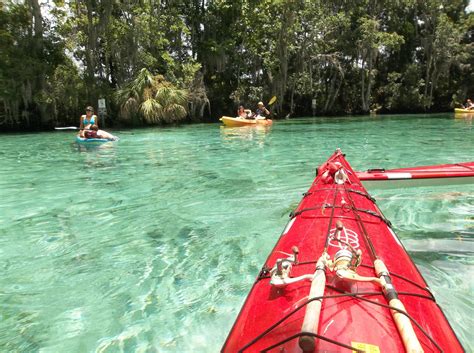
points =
(282, 52)
(40, 84)
(369, 85)
(362, 90)
(91, 46)
(426, 100)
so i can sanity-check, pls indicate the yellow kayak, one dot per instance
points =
(229, 121)
(463, 111)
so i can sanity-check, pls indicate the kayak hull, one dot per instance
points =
(437, 175)
(236, 122)
(92, 141)
(354, 314)
(463, 111)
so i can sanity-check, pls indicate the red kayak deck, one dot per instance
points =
(355, 315)
(443, 174)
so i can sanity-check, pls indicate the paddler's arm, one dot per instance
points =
(265, 112)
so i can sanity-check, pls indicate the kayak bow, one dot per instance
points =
(443, 174)
(339, 280)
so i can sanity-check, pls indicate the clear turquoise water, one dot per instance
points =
(151, 244)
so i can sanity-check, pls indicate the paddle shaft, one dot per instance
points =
(404, 326)
(70, 128)
(313, 309)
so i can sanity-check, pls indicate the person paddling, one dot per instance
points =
(261, 112)
(469, 105)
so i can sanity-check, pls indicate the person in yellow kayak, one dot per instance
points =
(469, 105)
(243, 113)
(261, 112)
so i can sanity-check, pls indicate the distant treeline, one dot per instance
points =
(164, 61)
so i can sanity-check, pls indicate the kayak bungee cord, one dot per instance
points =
(404, 326)
(339, 310)
(264, 273)
(407, 280)
(344, 264)
(464, 166)
(372, 213)
(318, 284)
(403, 312)
(298, 308)
(305, 194)
(360, 296)
(312, 335)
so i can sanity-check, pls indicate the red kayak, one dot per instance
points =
(339, 280)
(443, 174)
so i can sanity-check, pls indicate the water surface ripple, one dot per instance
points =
(152, 243)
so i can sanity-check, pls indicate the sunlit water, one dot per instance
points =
(151, 244)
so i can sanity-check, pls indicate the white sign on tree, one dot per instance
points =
(102, 110)
(101, 103)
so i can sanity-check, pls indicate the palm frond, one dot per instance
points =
(164, 95)
(130, 105)
(151, 110)
(144, 80)
(147, 93)
(174, 113)
(179, 96)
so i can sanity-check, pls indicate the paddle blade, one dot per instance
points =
(272, 100)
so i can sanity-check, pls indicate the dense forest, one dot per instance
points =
(168, 61)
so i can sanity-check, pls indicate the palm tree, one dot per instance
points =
(153, 99)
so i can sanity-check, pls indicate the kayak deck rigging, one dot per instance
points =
(359, 296)
(324, 206)
(317, 300)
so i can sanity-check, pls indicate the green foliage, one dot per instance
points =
(403, 91)
(401, 56)
(152, 100)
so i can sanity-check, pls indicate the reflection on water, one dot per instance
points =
(85, 147)
(249, 133)
(99, 155)
(464, 119)
(152, 243)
